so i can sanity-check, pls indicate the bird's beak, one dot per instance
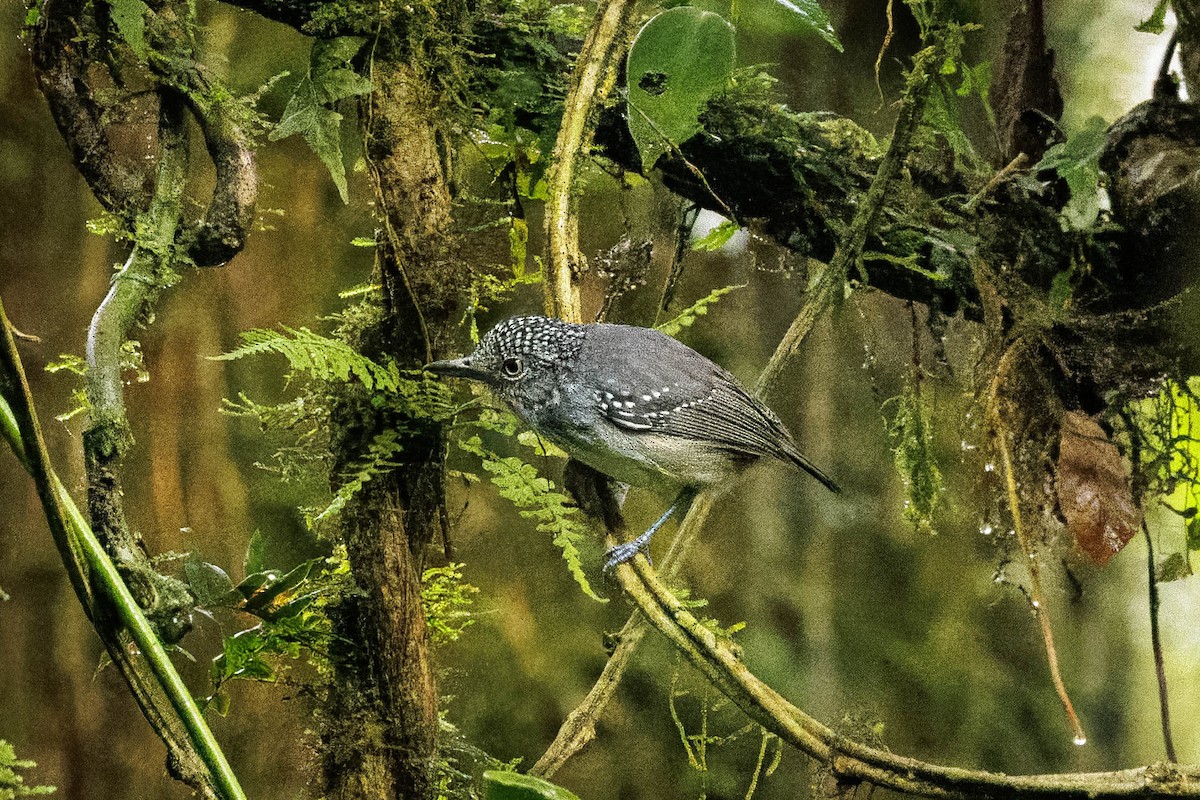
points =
(456, 368)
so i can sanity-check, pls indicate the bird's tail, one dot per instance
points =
(796, 457)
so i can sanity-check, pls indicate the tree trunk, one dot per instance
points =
(380, 724)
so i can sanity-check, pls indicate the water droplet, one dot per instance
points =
(967, 445)
(271, 576)
(986, 530)
(1035, 604)
(989, 467)
(1080, 740)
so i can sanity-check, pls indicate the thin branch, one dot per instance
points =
(850, 250)
(1037, 596)
(1017, 163)
(579, 727)
(853, 762)
(1156, 644)
(595, 73)
(197, 757)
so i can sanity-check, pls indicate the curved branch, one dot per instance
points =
(579, 727)
(61, 57)
(852, 761)
(595, 73)
(222, 234)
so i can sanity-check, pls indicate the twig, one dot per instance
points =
(1156, 645)
(1008, 169)
(687, 214)
(24, 337)
(887, 41)
(1037, 596)
(595, 73)
(849, 252)
(92, 572)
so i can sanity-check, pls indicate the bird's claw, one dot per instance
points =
(623, 553)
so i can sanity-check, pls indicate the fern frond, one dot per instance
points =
(537, 498)
(447, 600)
(687, 318)
(12, 783)
(378, 461)
(321, 357)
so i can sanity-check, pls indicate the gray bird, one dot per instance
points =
(632, 403)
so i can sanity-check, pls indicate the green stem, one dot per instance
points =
(595, 73)
(89, 564)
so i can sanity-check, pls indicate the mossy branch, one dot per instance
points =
(853, 762)
(194, 754)
(595, 73)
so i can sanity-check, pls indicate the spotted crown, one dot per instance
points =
(537, 338)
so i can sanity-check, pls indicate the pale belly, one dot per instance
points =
(650, 459)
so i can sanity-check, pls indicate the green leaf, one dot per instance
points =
(536, 498)
(1154, 23)
(209, 583)
(814, 18)
(1193, 533)
(717, 237)
(130, 18)
(504, 785)
(1077, 161)
(679, 60)
(378, 461)
(12, 783)
(255, 550)
(309, 111)
(942, 114)
(330, 68)
(320, 127)
(1172, 568)
(447, 599)
(689, 315)
(325, 359)
(543, 447)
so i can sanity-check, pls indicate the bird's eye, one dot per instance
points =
(511, 367)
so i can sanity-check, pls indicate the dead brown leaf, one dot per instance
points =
(1094, 489)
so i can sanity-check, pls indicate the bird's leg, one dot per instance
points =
(624, 552)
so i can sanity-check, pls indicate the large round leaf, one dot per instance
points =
(680, 59)
(502, 785)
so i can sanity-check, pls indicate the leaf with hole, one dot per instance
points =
(679, 60)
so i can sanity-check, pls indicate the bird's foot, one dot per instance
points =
(623, 553)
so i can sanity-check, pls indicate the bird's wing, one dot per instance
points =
(655, 384)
